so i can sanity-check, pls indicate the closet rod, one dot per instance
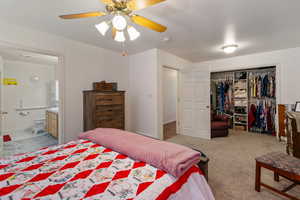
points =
(246, 69)
(262, 71)
(222, 76)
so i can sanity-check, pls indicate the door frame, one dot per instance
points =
(59, 75)
(161, 98)
(177, 100)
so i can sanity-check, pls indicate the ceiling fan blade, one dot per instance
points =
(142, 21)
(140, 4)
(83, 15)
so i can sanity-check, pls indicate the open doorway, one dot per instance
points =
(170, 97)
(29, 103)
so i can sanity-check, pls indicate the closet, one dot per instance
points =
(248, 97)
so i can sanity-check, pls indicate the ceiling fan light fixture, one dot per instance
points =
(121, 16)
(133, 33)
(119, 22)
(231, 48)
(102, 27)
(119, 37)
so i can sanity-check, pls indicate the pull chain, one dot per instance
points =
(124, 52)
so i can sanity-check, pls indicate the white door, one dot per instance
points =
(195, 104)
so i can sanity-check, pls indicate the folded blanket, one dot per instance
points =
(172, 158)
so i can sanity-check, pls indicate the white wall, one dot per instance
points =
(83, 65)
(1, 64)
(169, 95)
(146, 90)
(170, 60)
(143, 93)
(30, 93)
(1, 100)
(288, 70)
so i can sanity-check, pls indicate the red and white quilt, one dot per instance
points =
(84, 170)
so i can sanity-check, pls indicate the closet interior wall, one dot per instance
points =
(248, 97)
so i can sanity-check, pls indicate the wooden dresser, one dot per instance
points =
(103, 110)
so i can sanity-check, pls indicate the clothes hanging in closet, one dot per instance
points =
(262, 84)
(261, 116)
(224, 96)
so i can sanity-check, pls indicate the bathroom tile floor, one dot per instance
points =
(23, 134)
(28, 144)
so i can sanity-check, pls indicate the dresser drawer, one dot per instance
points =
(109, 119)
(109, 100)
(110, 123)
(110, 110)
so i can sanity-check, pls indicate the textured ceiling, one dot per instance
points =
(197, 28)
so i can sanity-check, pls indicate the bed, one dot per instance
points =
(83, 169)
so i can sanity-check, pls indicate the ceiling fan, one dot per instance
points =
(122, 18)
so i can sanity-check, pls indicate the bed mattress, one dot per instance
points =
(82, 169)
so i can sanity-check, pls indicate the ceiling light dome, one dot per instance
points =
(231, 48)
(119, 22)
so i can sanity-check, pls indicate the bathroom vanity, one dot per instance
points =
(52, 122)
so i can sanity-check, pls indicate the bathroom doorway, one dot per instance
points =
(29, 101)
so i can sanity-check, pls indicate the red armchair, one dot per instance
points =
(219, 125)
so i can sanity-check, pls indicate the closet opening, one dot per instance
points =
(170, 102)
(243, 100)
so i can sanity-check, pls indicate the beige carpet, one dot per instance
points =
(232, 165)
